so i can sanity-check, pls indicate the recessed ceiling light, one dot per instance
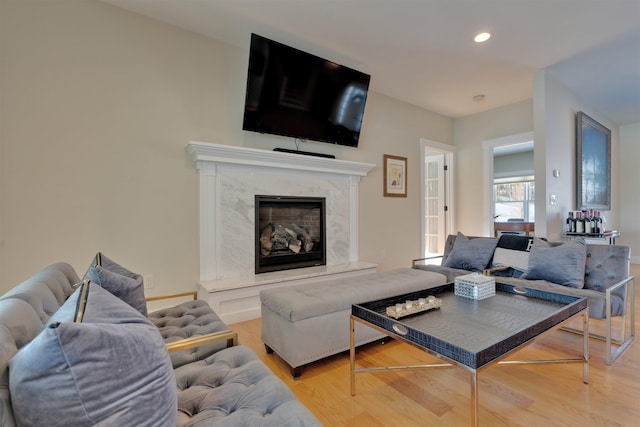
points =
(482, 37)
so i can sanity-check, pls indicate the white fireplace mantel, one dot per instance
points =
(202, 153)
(229, 178)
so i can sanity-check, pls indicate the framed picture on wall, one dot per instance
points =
(593, 164)
(395, 176)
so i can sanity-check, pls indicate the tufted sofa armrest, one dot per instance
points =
(419, 261)
(606, 266)
(193, 294)
(627, 286)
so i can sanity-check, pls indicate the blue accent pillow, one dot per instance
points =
(563, 264)
(471, 254)
(123, 283)
(126, 288)
(112, 368)
(107, 263)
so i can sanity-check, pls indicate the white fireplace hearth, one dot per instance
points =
(229, 178)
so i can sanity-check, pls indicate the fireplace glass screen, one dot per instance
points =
(290, 232)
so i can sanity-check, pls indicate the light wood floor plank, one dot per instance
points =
(531, 395)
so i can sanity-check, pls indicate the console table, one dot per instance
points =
(600, 239)
(526, 227)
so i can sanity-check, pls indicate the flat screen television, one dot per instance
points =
(300, 95)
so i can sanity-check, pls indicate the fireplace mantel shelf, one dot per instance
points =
(198, 152)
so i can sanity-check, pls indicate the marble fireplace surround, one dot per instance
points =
(229, 178)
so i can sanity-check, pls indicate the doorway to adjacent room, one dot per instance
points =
(509, 189)
(437, 201)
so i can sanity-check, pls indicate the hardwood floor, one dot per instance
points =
(517, 395)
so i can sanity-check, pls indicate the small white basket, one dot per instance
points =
(475, 286)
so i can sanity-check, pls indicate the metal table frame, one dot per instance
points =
(474, 372)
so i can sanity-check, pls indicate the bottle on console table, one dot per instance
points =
(571, 223)
(587, 221)
(579, 223)
(603, 221)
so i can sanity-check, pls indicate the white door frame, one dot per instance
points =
(488, 146)
(448, 152)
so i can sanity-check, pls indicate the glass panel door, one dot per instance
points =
(434, 204)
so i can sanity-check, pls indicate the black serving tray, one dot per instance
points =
(474, 332)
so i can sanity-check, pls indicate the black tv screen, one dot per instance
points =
(296, 94)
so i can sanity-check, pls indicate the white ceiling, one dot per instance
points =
(422, 52)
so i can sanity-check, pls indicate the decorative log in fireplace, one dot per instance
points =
(290, 232)
(279, 239)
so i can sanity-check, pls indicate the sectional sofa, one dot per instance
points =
(85, 352)
(599, 273)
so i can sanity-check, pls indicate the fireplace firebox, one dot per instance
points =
(289, 233)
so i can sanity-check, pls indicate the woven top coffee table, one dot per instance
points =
(474, 334)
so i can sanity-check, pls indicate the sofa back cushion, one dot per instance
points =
(606, 265)
(46, 290)
(19, 324)
(60, 277)
(110, 368)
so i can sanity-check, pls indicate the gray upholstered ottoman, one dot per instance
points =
(309, 322)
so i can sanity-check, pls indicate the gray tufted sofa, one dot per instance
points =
(607, 284)
(215, 385)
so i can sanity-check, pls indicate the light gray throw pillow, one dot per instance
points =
(128, 289)
(471, 254)
(108, 264)
(563, 264)
(111, 369)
